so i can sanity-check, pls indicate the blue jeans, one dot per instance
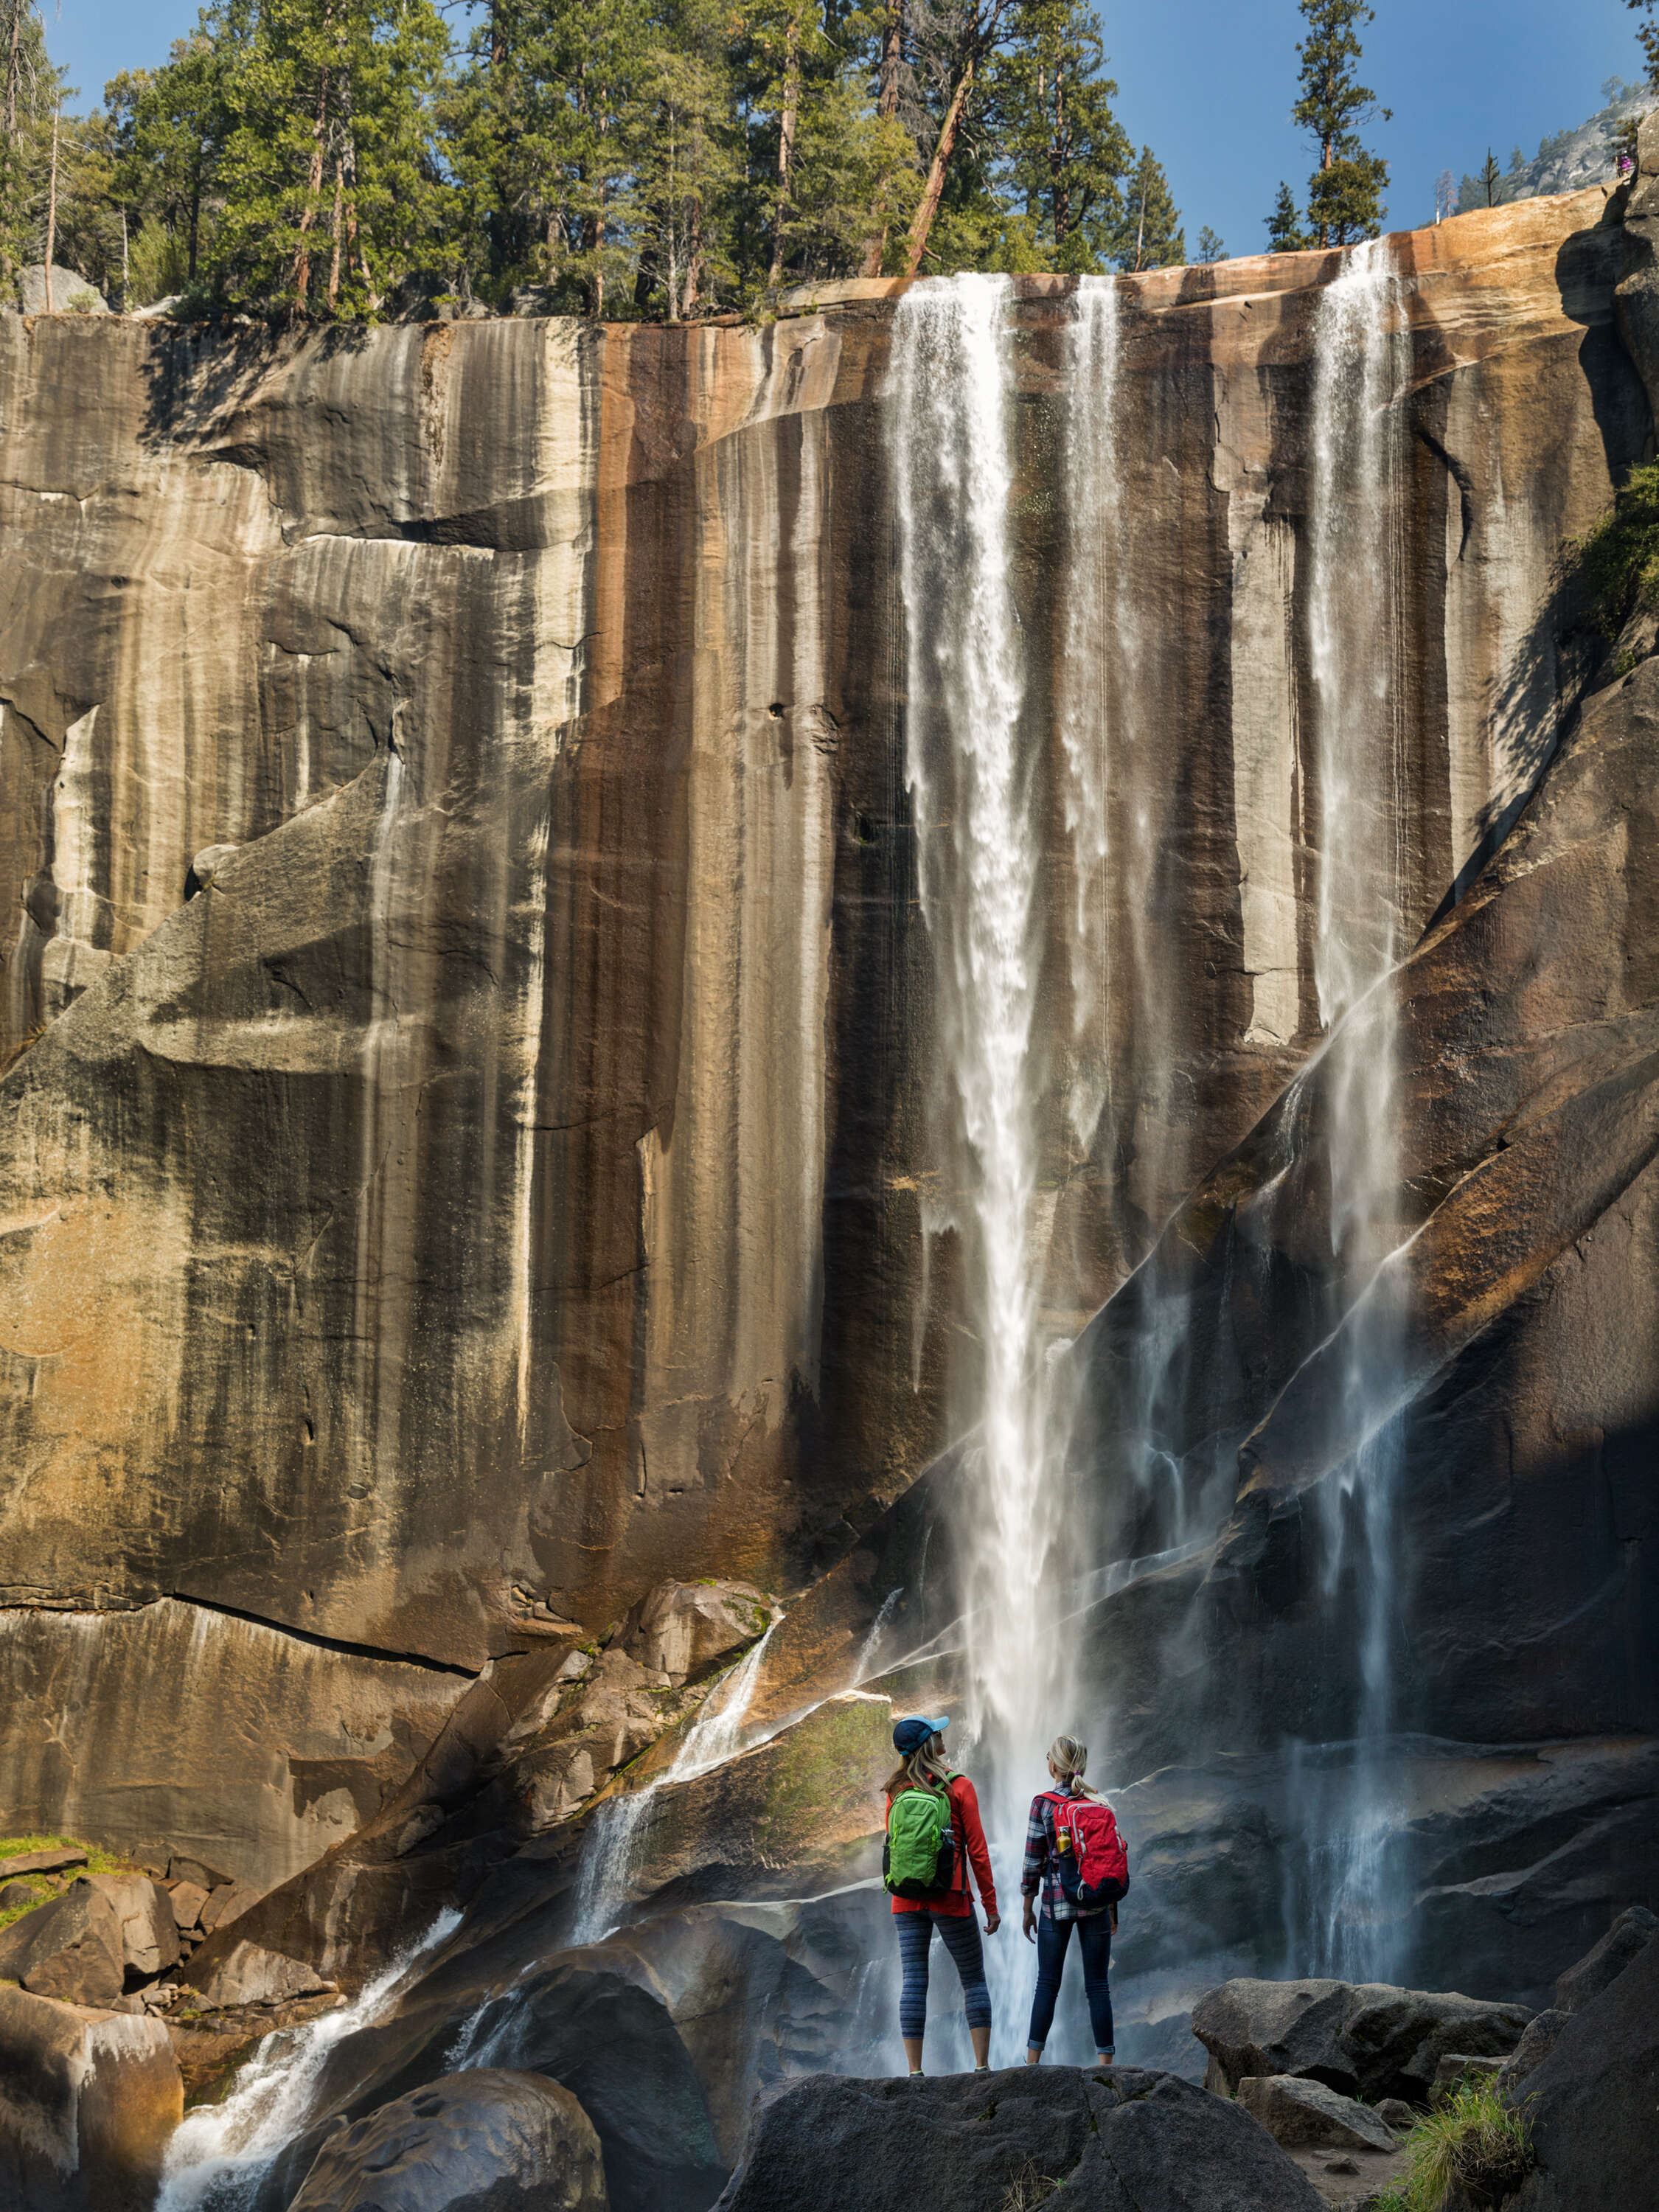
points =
(960, 1931)
(1094, 1936)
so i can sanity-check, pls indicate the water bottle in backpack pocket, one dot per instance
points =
(1094, 1866)
(919, 1859)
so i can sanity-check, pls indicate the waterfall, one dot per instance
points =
(1360, 359)
(610, 1847)
(220, 2153)
(1096, 679)
(973, 779)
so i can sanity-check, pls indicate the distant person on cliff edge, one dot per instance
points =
(934, 1836)
(1076, 1861)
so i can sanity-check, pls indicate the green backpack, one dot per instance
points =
(919, 1859)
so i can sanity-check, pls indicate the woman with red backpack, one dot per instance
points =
(1075, 1857)
(934, 1835)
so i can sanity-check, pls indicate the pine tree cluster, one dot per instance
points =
(655, 159)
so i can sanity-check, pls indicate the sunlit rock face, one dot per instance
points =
(505, 1182)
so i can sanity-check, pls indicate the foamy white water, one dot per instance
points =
(1361, 356)
(220, 2153)
(974, 774)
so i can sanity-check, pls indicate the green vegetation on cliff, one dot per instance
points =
(1619, 559)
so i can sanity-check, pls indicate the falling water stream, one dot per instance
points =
(974, 785)
(611, 1846)
(220, 2153)
(1351, 1918)
(974, 766)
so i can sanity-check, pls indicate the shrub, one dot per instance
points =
(1618, 558)
(1473, 2139)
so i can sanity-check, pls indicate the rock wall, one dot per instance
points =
(502, 1179)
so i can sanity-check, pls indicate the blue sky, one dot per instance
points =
(1209, 85)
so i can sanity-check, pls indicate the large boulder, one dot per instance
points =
(610, 2042)
(682, 1629)
(70, 1949)
(1300, 2113)
(1366, 2040)
(71, 293)
(1594, 2102)
(149, 1934)
(488, 2140)
(1624, 1942)
(1117, 2138)
(253, 1975)
(87, 2100)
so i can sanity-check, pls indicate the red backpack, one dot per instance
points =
(1094, 1866)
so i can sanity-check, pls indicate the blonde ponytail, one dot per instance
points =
(1070, 1757)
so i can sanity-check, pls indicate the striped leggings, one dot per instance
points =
(960, 1931)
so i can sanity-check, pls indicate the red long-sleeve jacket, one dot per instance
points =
(971, 1851)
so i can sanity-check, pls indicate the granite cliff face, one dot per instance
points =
(471, 1152)
(502, 1177)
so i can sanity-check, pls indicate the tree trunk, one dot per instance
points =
(313, 189)
(934, 188)
(195, 212)
(693, 261)
(52, 198)
(892, 54)
(14, 67)
(785, 144)
(1062, 197)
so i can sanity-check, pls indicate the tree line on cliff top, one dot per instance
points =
(660, 159)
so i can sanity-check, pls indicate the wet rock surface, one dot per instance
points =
(1116, 2138)
(485, 2140)
(609, 2042)
(1623, 1944)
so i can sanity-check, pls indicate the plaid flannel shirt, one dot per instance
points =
(1041, 1867)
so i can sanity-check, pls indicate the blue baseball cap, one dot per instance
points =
(909, 1736)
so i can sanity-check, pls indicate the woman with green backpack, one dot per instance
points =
(934, 1835)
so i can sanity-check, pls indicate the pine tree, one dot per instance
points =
(1285, 231)
(689, 166)
(1648, 38)
(1211, 246)
(1149, 234)
(25, 107)
(1344, 194)
(169, 126)
(955, 40)
(1491, 181)
(331, 186)
(1060, 149)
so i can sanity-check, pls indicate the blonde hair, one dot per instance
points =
(1069, 1758)
(921, 1770)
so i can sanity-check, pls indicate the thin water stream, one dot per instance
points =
(220, 2153)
